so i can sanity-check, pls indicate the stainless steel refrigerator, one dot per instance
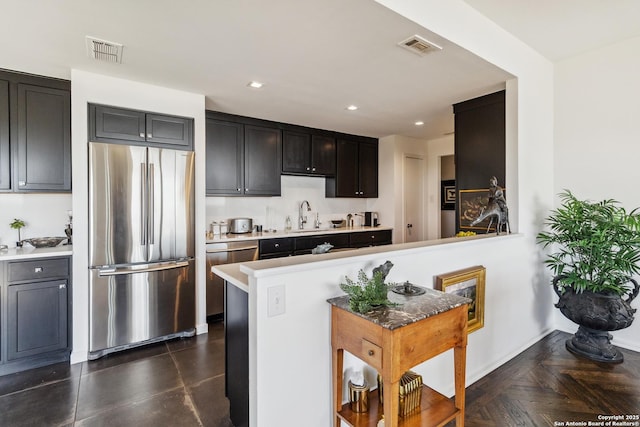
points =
(141, 246)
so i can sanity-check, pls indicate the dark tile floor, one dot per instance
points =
(176, 383)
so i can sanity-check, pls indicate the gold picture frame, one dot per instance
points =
(468, 283)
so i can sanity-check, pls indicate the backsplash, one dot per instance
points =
(270, 212)
(45, 215)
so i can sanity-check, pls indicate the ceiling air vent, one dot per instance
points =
(418, 45)
(103, 50)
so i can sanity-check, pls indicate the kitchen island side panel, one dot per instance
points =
(236, 336)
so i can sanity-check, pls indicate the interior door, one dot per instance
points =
(413, 191)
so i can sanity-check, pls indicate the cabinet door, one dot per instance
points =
(5, 161)
(323, 155)
(118, 124)
(347, 169)
(296, 152)
(43, 139)
(262, 161)
(368, 169)
(36, 318)
(224, 158)
(169, 130)
(370, 238)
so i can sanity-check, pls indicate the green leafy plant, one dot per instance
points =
(367, 293)
(17, 224)
(595, 245)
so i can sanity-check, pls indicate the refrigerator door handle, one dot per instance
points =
(151, 207)
(118, 271)
(143, 204)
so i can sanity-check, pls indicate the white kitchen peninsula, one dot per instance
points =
(289, 354)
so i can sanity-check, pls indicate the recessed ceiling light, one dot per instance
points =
(352, 107)
(255, 85)
(419, 123)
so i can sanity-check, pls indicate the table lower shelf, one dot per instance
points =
(435, 410)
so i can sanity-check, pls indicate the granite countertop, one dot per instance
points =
(293, 233)
(29, 252)
(410, 309)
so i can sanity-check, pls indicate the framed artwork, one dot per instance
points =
(471, 204)
(448, 194)
(467, 283)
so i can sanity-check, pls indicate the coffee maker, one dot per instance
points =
(371, 219)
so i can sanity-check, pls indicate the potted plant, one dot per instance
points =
(595, 251)
(369, 292)
(17, 224)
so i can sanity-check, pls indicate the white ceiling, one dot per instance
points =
(559, 29)
(315, 57)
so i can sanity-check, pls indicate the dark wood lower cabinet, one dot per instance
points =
(35, 303)
(36, 318)
(236, 353)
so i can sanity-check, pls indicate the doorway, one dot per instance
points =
(413, 197)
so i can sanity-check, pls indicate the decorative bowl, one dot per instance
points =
(337, 222)
(45, 242)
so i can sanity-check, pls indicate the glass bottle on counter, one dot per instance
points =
(287, 223)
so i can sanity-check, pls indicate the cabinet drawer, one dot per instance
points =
(371, 354)
(38, 269)
(307, 243)
(370, 238)
(269, 246)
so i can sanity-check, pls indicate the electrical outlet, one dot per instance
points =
(276, 297)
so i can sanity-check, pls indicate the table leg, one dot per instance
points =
(391, 391)
(460, 358)
(337, 364)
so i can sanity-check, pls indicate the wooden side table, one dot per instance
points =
(392, 341)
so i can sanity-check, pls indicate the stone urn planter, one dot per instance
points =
(594, 253)
(596, 314)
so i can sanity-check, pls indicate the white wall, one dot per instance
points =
(290, 354)
(272, 211)
(44, 214)
(596, 137)
(437, 148)
(390, 176)
(94, 88)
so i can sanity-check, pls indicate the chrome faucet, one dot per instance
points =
(302, 219)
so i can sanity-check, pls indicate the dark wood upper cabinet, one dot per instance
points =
(5, 161)
(262, 161)
(35, 133)
(308, 154)
(368, 169)
(247, 156)
(43, 149)
(296, 152)
(242, 159)
(121, 125)
(118, 124)
(172, 130)
(224, 158)
(356, 169)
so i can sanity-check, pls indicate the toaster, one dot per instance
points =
(240, 225)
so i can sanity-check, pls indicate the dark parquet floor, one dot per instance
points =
(547, 386)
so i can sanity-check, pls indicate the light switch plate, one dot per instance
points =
(276, 301)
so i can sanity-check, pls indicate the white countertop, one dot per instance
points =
(293, 233)
(29, 252)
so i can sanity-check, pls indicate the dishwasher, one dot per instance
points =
(224, 253)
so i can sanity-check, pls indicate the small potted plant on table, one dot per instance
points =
(17, 224)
